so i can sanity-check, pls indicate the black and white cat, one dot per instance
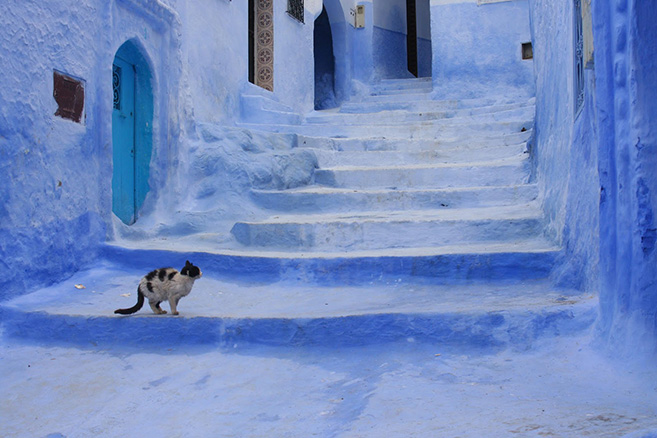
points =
(165, 284)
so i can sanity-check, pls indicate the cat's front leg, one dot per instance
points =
(173, 303)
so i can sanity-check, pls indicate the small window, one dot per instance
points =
(295, 9)
(527, 51)
(69, 95)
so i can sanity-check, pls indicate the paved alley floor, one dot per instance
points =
(560, 388)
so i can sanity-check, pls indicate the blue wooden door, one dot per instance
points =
(123, 141)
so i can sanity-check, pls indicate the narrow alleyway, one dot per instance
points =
(406, 291)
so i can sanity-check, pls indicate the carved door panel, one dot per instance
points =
(261, 44)
(123, 141)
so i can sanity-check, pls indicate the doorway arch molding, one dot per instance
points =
(341, 51)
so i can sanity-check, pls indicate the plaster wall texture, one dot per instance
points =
(216, 51)
(479, 47)
(51, 199)
(389, 39)
(424, 57)
(626, 48)
(596, 169)
(389, 54)
(293, 59)
(215, 47)
(362, 47)
(59, 173)
(565, 149)
(210, 187)
(344, 53)
(391, 15)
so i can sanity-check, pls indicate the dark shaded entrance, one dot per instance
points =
(324, 63)
(411, 37)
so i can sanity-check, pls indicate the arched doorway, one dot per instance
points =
(324, 63)
(332, 52)
(132, 131)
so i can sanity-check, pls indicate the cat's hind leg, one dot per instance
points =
(156, 307)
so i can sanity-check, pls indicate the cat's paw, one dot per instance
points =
(163, 312)
(175, 313)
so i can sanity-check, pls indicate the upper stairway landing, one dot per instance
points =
(400, 172)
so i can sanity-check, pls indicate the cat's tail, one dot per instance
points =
(135, 308)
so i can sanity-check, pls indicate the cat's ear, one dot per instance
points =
(187, 263)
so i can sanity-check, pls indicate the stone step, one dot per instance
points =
(333, 158)
(227, 314)
(373, 104)
(402, 84)
(512, 171)
(523, 259)
(444, 130)
(396, 116)
(351, 231)
(409, 100)
(393, 143)
(410, 96)
(261, 109)
(326, 199)
(392, 91)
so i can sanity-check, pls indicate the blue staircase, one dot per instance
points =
(422, 222)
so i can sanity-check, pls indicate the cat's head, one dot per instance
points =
(191, 271)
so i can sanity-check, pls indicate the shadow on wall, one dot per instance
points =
(324, 63)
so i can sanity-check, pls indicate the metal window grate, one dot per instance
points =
(116, 85)
(295, 9)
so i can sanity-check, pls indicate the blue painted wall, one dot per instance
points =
(626, 49)
(56, 195)
(363, 47)
(389, 39)
(479, 47)
(597, 169)
(57, 198)
(424, 57)
(390, 54)
(565, 146)
(50, 197)
(342, 46)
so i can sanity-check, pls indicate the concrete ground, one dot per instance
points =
(560, 387)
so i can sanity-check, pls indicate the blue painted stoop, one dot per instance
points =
(422, 225)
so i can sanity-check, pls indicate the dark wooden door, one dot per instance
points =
(411, 37)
